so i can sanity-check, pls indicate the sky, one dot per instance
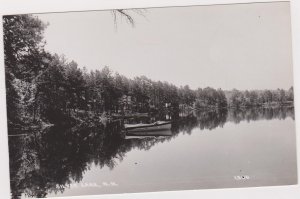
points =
(242, 46)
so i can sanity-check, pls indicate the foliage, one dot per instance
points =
(267, 98)
(46, 87)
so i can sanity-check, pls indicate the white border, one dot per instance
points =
(39, 6)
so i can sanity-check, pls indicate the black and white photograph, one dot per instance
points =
(150, 99)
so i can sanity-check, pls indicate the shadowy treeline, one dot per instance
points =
(48, 161)
(45, 87)
(265, 98)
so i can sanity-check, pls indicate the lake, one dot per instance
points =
(216, 149)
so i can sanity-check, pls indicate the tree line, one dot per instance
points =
(47, 87)
(267, 98)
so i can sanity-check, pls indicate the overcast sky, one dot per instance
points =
(243, 46)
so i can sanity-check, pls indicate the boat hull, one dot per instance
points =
(147, 136)
(150, 128)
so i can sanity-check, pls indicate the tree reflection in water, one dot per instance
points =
(49, 160)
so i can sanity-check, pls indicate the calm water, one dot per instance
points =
(220, 149)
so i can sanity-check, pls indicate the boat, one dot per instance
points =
(145, 137)
(140, 137)
(156, 126)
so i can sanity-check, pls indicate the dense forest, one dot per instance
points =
(47, 88)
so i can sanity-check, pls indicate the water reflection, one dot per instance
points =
(48, 161)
